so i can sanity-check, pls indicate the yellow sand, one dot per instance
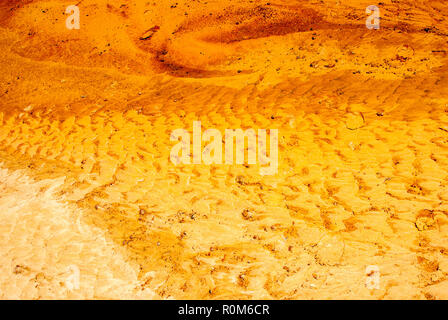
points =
(86, 179)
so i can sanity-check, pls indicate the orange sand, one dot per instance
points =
(86, 179)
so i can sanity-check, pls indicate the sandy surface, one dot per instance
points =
(86, 179)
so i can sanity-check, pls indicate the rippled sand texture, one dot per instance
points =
(86, 180)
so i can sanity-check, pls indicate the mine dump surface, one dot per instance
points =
(92, 207)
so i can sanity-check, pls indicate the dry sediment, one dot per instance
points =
(86, 178)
